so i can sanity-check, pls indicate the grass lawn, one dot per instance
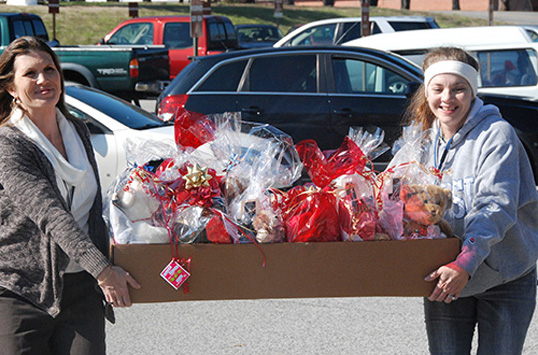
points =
(86, 23)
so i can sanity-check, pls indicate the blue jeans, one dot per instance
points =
(503, 315)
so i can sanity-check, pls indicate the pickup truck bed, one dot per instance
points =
(130, 72)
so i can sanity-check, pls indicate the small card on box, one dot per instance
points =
(175, 274)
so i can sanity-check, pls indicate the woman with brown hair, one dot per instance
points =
(492, 282)
(54, 268)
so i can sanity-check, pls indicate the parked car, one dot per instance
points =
(175, 33)
(508, 58)
(317, 92)
(131, 71)
(111, 122)
(257, 35)
(340, 30)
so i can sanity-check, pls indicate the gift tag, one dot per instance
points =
(175, 274)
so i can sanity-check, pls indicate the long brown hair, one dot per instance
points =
(418, 111)
(23, 46)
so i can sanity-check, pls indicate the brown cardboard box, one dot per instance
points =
(292, 270)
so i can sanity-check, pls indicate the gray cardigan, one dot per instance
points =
(37, 232)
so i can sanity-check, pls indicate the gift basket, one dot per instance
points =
(225, 180)
(225, 204)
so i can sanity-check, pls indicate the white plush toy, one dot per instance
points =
(138, 208)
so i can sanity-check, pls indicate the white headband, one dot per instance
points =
(452, 67)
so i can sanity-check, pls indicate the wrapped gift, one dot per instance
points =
(412, 200)
(311, 215)
(343, 173)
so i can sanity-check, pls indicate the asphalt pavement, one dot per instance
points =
(360, 326)
(366, 326)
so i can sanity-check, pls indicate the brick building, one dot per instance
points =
(465, 5)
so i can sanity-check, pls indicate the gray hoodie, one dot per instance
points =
(495, 210)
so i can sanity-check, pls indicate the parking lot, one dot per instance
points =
(368, 326)
(292, 326)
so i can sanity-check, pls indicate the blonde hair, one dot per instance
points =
(418, 112)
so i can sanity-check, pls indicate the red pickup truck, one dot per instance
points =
(174, 32)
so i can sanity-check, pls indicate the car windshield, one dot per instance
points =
(130, 115)
(258, 34)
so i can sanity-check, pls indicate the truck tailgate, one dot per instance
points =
(153, 63)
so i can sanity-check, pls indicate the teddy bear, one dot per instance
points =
(424, 208)
(137, 208)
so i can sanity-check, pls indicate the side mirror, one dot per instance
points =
(102, 41)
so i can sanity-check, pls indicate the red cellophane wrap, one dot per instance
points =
(310, 215)
(357, 207)
(216, 231)
(325, 167)
(362, 225)
(330, 212)
(192, 129)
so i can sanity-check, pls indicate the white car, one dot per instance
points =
(507, 55)
(112, 122)
(340, 30)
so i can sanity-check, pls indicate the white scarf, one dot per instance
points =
(75, 177)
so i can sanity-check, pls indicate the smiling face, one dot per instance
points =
(36, 83)
(449, 98)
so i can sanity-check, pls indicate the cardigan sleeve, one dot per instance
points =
(27, 178)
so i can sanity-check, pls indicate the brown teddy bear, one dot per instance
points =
(424, 207)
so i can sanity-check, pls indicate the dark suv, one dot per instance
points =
(317, 92)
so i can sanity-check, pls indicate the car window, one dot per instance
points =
(29, 28)
(134, 33)
(533, 34)
(409, 25)
(177, 35)
(353, 76)
(221, 35)
(258, 34)
(287, 73)
(323, 34)
(130, 115)
(225, 78)
(216, 32)
(93, 126)
(230, 30)
(352, 30)
(516, 67)
(39, 29)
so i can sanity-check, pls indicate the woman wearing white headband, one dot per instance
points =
(492, 282)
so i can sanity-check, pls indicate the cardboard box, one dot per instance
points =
(292, 270)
